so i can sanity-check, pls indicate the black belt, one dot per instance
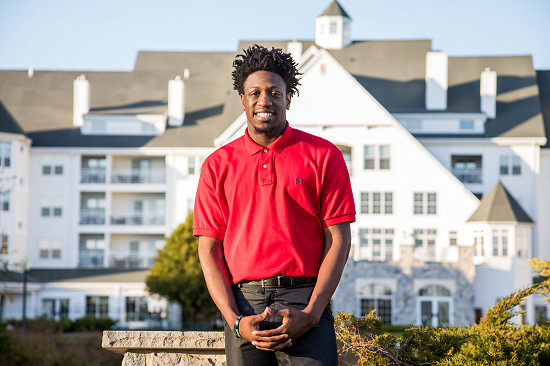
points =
(280, 281)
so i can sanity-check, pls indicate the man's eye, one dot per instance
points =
(275, 93)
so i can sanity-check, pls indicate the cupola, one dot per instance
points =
(332, 27)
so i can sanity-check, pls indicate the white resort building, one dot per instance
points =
(448, 159)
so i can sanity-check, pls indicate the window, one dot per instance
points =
(540, 314)
(376, 244)
(93, 169)
(51, 207)
(506, 161)
(500, 242)
(97, 306)
(346, 151)
(479, 245)
(92, 247)
(384, 151)
(333, 28)
(435, 305)
(521, 242)
(4, 247)
(452, 238)
(55, 308)
(425, 203)
(467, 168)
(377, 157)
(52, 165)
(379, 298)
(466, 124)
(50, 248)
(369, 157)
(136, 308)
(424, 243)
(376, 203)
(5, 201)
(5, 153)
(191, 165)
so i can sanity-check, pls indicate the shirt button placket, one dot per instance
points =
(265, 169)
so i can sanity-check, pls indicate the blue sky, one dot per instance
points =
(107, 34)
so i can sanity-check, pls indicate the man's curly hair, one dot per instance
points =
(259, 58)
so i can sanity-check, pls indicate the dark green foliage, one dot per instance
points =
(177, 274)
(88, 323)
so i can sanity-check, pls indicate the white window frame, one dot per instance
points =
(376, 203)
(52, 165)
(509, 165)
(500, 242)
(5, 154)
(378, 292)
(425, 203)
(378, 243)
(51, 207)
(50, 249)
(377, 157)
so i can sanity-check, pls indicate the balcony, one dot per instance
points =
(92, 175)
(128, 260)
(92, 217)
(433, 254)
(137, 218)
(138, 176)
(468, 175)
(91, 259)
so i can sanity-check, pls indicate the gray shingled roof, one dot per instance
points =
(543, 81)
(335, 9)
(392, 71)
(499, 206)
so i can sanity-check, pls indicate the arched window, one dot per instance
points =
(347, 152)
(435, 305)
(378, 297)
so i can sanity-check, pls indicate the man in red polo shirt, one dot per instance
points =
(272, 213)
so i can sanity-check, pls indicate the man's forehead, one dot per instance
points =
(262, 76)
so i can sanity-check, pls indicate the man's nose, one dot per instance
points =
(264, 99)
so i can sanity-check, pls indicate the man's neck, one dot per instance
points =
(264, 139)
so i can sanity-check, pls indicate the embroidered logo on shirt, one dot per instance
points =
(297, 180)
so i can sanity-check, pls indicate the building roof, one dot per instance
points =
(543, 81)
(88, 275)
(499, 206)
(335, 9)
(392, 71)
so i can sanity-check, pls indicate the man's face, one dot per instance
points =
(265, 102)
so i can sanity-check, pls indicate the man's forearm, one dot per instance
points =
(217, 277)
(337, 247)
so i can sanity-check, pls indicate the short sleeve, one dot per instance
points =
(337, 204)
(208, 216)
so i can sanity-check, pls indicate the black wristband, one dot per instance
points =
(236, 332)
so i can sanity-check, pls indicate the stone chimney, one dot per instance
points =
(81, 99)
(488, 92)
(436, 80)
(176, 105)
(295, 48)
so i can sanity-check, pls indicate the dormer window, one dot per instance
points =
(333, 27)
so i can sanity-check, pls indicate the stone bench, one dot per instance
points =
(166, 348)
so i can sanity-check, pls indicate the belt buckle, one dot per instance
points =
(279, 281)
(263, 282)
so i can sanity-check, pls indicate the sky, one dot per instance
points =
(107, 34)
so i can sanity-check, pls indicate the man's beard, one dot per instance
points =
(267, 130)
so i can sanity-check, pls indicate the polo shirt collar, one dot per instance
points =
(278, 145)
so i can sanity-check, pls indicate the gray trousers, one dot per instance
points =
(316, 347)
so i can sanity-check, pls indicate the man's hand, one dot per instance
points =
(249, 327)
(295, 324)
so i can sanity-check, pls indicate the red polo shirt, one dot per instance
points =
(270, 205)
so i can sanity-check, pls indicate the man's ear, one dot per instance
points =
(288, 99)
(242, 100)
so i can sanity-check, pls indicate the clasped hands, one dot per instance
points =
(295, 323)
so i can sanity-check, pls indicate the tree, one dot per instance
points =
(177, 274)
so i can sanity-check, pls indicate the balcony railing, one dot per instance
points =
(126, 260)
(91, 259)
(468, 175)
(433, 254)
(137, 218)
(92, 217)
(137, 176)
(92, 175)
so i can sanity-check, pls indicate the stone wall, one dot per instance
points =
(166, 348)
